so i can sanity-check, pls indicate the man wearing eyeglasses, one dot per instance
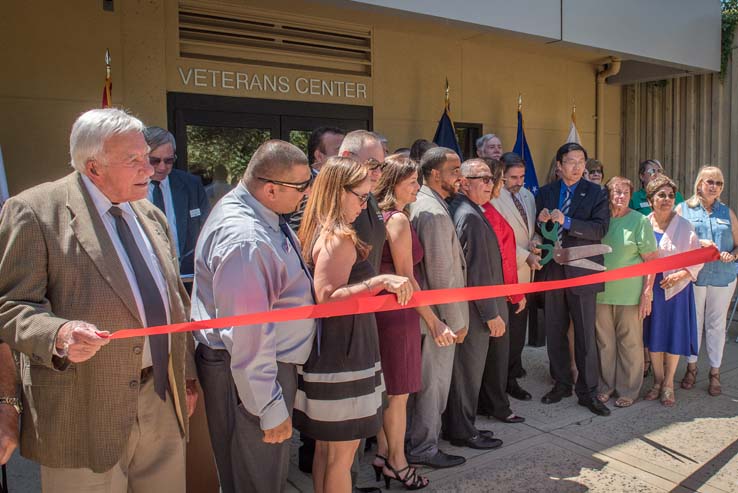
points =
(366, 147)
(248, 260)
(180, 195)
(581, 211)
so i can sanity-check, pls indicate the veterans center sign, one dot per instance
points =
(257, 84)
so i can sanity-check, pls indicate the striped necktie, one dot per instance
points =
(521, 209)
(565, 209)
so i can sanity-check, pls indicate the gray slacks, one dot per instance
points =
(426, 406)
(245, 463)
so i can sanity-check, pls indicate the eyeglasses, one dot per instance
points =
(167, 160)
(581, 164)
(373, 165)
(653, 171)
(595, 171)
(300, 186)
(664, 196)
(486, 179)
(714, 183)
(363, 198)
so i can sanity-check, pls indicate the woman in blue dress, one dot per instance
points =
(671, 329)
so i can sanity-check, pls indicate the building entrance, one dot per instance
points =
(214, 131)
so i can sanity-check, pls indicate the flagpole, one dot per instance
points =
(520, 110)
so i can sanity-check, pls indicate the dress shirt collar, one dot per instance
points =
(571, 188)
(102, 203)
(267, 215)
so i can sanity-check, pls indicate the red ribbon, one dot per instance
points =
(372, 304)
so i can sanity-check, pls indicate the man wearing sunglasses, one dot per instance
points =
(248, 260)
(180, 195)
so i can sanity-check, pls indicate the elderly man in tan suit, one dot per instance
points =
(81, 258)
(518, 206)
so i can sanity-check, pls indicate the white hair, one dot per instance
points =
(354, 141)
(481, 141)
(93, 128)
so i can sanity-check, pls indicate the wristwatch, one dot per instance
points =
(12, 401)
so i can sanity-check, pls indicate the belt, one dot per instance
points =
(147, 373)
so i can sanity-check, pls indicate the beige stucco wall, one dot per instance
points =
(55, 70)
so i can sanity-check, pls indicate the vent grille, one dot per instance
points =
(232, 33)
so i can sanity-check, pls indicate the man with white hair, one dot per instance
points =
(81, 258)
(490, 146)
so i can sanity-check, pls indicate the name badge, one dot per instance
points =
(645, 204)
(195, 213)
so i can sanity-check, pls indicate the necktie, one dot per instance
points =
(521, 209)
(153, 305)
(158, 196)
(288, 233)
(565, 209)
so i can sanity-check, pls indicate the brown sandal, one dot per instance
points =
(715, 389)
(690, 377)
(654, 393)
(667, 397)
(623, 402)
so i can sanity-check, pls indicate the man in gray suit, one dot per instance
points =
(487, 318)
(443, 266)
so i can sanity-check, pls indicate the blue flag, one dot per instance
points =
(522, 150)
(446, 135)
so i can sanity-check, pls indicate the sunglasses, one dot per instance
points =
(486, 179)
(300, 186)
(167, 160)
(653, 171)
(714, 183)
(664, 196)
(595, 171)
(363, 198)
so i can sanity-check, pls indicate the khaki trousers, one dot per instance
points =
(620, 344)
(152, 461)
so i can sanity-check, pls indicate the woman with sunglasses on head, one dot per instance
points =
(671, 329)
(340, 388)
(717, 224)
(647, 171)
(399, 331)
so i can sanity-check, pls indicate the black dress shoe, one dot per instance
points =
(517, 392)
(513, 418)
(479, 442)
(367, 489)
(487, 433)
(439, 461)
(595, 406)
(556, 394)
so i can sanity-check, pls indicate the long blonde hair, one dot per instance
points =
(707, 169)
(323, 209)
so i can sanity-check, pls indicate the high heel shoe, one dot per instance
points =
(378, 469)
(411, 480)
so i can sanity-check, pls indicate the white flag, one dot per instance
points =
(573, 134)
(4, 195)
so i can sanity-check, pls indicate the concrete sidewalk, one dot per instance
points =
(564, 448)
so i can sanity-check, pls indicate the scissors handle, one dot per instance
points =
(550, 233)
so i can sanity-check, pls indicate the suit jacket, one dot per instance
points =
(443, 264)
(58, 263)
(590, 217)
(524, 232)
(191, 208)
(483, 260)
(370, 229)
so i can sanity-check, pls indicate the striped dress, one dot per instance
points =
(340, 393)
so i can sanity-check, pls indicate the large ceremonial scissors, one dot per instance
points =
(574, 256)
